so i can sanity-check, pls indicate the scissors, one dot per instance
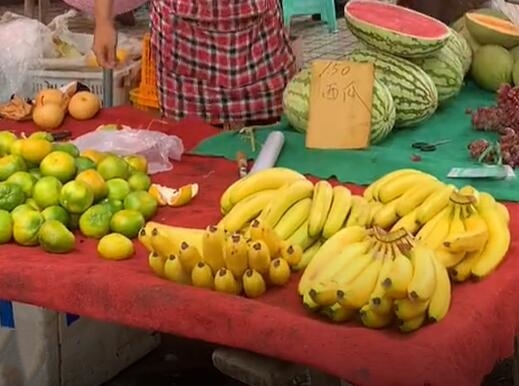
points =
(426, 146)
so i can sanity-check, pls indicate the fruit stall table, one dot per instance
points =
(478, 331)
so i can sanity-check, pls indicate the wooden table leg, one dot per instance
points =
(43, 8)
(28, 8)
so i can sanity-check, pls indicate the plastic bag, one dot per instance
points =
(509, 8)
(24, 42)
(157, 147)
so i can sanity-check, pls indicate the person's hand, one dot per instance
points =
(105, 44)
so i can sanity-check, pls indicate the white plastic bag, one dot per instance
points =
(157, 147)
(24, 42)
(509, 8)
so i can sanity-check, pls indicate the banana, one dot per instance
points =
(308, 255)
(259, 257)
(412, 324)
(156, 263)
(243, 212)
(173, 271)
(372, 191)
(292, 254)
(412, 198)
(374, 207)
(441, 298)
(341, 205)
(202, 276)
(293, 218)
(408, 222)
(145, 238)
(339, 242)
(407, 309)
(399, 276)
(279, 272)
(356, 293)
(378, 301)
(321, 204)
(434, 204)
(498, 238)
(463, 270)
(397, 187)
(267, 179)
(447, 257)
(503, 210)
(284, 199)
(309, 304)
(189, 256)
(165, 239)
(338, 314)
(253, 284)
(372, 319)
(386, 217)
(260, 231)
(421, 286)
(434, 232)
(213, 242)
(236, 254)
(474, 236)
(301, 237)
(225, 199)
(360, 213)
(225, 282)
(350, 266)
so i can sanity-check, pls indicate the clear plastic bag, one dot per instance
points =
(157, 147)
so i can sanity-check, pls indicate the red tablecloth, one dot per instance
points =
(459, 351)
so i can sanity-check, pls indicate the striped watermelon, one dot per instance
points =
(413, 91)
(446, 71)
(394, 29)
(297, 95)
(461, 48)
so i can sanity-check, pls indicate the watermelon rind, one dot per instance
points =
(413, 91)
(393, 42)
(446, 71)
(296, 99)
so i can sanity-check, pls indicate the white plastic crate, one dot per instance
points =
(39, 347)
(125, 79)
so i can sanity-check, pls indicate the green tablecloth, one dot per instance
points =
(364, 166)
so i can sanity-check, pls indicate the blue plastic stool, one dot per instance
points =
(326, 8)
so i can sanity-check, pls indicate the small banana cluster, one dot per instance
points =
(215, 259)
(382, 278)
(467, 229)
(299, 212)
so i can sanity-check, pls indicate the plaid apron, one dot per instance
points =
(225, 61)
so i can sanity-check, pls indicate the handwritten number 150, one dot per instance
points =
(333, 69)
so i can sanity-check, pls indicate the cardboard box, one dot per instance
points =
(39, 347)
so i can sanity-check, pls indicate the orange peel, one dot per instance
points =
(167, 196)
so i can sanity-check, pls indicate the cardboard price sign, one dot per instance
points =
(341, 94)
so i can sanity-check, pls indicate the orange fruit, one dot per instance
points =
(139, 181)
(76, 196)
(115, 246)
(93, 155)
(10, 164)
(137, 163)
(93, 179)
(25, 180)
(142, 202)
(7, 138)
(34, 150)
(118, 188)
(113, 167)
(46, 191)
(59, 164)
(127, 222)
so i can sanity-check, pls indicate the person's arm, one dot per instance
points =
(103, 10)
(105, 35)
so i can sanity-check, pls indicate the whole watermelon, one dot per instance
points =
(460, 48)
(445, 70)
(296, 99)
(413, 91)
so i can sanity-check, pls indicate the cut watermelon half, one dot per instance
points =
(394, 29)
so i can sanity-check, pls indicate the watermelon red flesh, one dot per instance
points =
(397, 19)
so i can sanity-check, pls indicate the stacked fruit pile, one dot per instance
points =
(228, 262)
(437, 233)
(494, 41)
(385, 277)
(467, 230)
(300, 212)
(419, 63)
(48, 189)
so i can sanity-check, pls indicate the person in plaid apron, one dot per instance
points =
(226, 61)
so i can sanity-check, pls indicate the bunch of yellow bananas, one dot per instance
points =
(468, 230)
(232, 263)
(385, 278)
(298, 211)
